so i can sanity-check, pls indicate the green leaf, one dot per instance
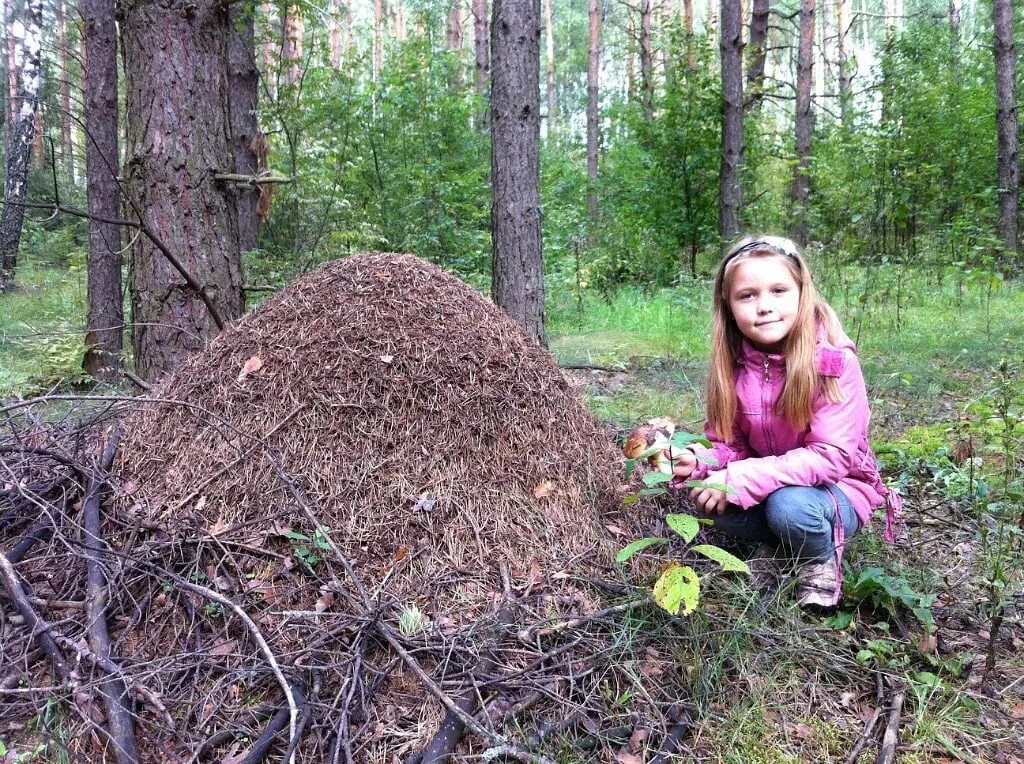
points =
(677, 587)
(295, 536)
(630, 466)
(686, 526)
(728, 490)
(681, 439)
(630, 499)
(727, 560)
(707, 459)
(635, 546)
(653, 478)
(652, 491)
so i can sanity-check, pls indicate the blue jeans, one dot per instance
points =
(797, 517)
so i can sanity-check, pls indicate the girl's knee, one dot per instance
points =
(793, 512)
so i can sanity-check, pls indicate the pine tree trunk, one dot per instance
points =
(482, 50)
(549, 26)
(67, 146)
(378, 39)
(593, 117)
(292, 53)
(691, 49)
(845, 71)
(175, 54)
(1006, 125)
(730, 193)
(646, 60)
(518, 268)
(453, 42)
(757, 54)
(334, 34)
(243, 83)
(20, 146)
(804, 125)
(105, 312)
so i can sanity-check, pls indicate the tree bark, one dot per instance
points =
(518, 268)
(67, 146)
(243, 83)
(11, 101)
(175, 54)
(757, 53)
(804, 125)
(646, 61)
(482, 49)
(1006, 123)
(378, 39)
(334, 34)
(453, 41)
(954, 18)
(730, 192)
(845, 72)
(20, 146)
(549, 26)
(691, 50)
(593, 118)
(105, 312)
(292, 51)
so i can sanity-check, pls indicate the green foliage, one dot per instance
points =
(889, 592)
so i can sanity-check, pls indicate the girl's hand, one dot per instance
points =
(709, 500)
(683, 461)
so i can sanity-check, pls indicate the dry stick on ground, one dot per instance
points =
(682, 723)
(500, 744)
(112, 689)
(869, 729)
(891, 738)
(529, 634)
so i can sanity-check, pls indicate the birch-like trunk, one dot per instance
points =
(730, 192)
(804, 124)
(549, 32)
(593, 116)
(20, 145)
(1007, 166)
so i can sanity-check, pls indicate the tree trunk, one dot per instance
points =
(482, 46)
(730, 192)
(243, 83)
(175, 64)
(691, 50)
(11, 101)
(804, 122)
(845, 72)
(757, 53)
(105, 312)
(593, 117)
(334, 34)
(518, 267)
(954, 18)
(549, 26)
(20, 147)
(67, 146)
(453, 41)
(1006, 123)
(378, 39)
(273, 32)
(646, 61)
(292, 51)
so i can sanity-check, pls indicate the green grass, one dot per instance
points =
(41, 329)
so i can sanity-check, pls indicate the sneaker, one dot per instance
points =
(817, 585)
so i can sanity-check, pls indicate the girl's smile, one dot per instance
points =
(764, 300)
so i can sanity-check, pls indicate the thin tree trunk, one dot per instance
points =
(730, 193)
(19, 150)
(334, 33)
(67, 146)
(630, 60)
(292, 50)
(175, 64)
(1006, 124)
(845, 71)
(549, 27)
(104, 337)
(453, 41)
(954, 18)
(378, 39)
(11, 101)
(518, 268)
(593, 117)
(691, 49)
(482, 49)
(646, 60)
(804, 124)
(826, 78)
(271, 67)
(243, 84)
(757, 53)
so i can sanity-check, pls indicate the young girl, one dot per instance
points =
(787, 417)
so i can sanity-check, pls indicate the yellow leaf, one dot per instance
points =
(544, 489)
(677, 587)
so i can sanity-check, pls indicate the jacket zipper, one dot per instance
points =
(766, 407)
(766, 368)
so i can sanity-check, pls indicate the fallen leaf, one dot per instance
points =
(637, 738)
(226, 647)
(616, 530)
(846, 699)
(251, 366)
(927, 644)
(625, 757)
(324, 601)
(1017, 712)
(387, 358)
(544, 489)
(218, 527)
(800, 730)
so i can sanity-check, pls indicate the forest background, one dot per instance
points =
(882, 134)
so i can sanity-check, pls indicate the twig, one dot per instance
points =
(891, 738)
(869, 729)
(530, 633)
(261, 747)
(112, 689)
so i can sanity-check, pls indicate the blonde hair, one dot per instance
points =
(802, 378)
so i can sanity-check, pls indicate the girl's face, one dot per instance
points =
(763, 298)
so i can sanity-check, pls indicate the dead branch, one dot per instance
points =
(869, 728)
(112, 689)
(278, 723)
(891, 738)
(531, 633)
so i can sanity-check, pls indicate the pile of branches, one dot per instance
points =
(153, 654)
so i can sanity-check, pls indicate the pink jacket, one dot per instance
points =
(767, 453)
